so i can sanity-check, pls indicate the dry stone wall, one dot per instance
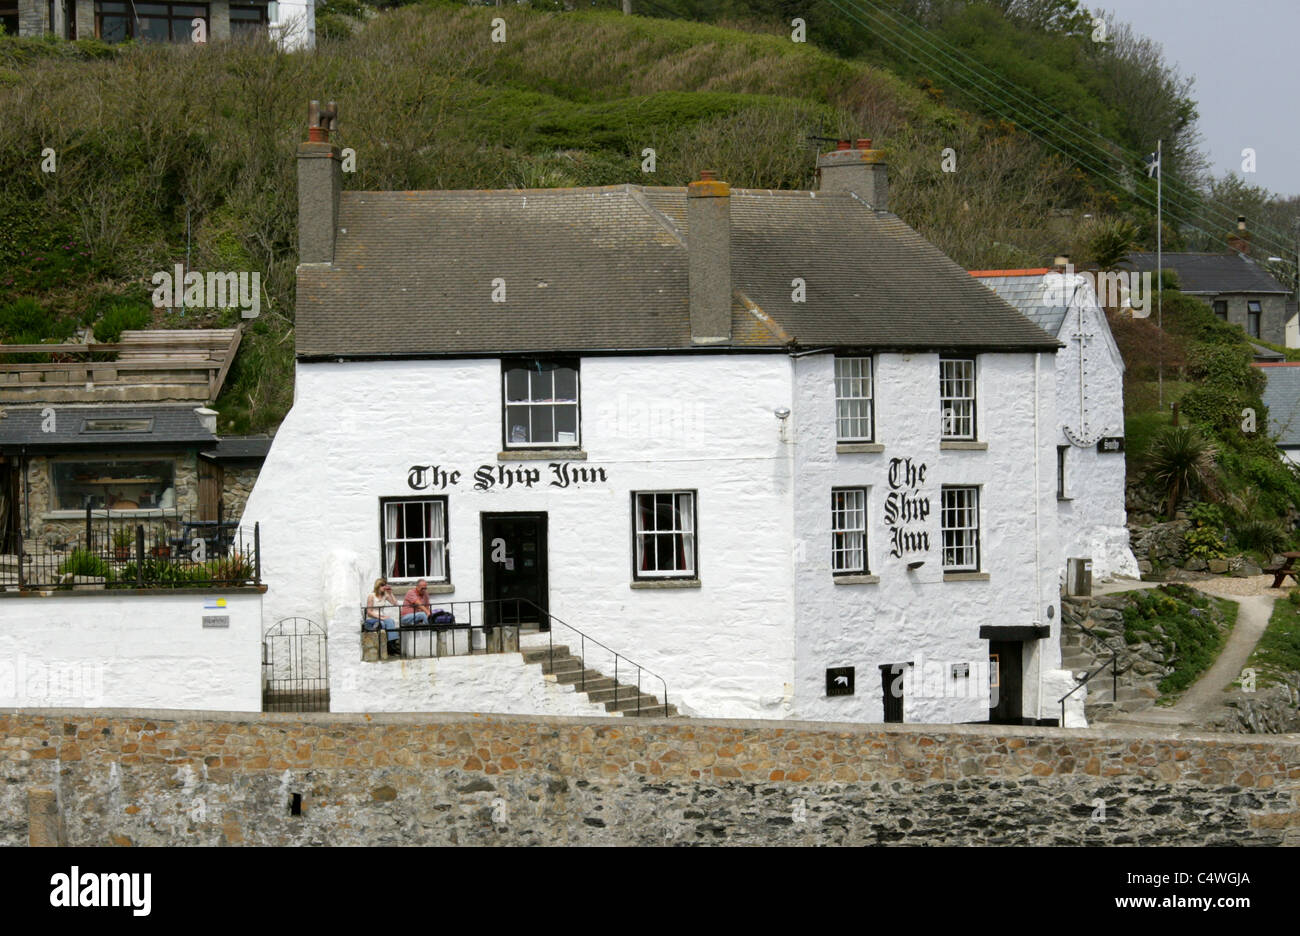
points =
(142, 778)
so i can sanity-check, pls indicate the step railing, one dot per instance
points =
(499, 614)
(1115, 674)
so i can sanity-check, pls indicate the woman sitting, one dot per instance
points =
(381, 611)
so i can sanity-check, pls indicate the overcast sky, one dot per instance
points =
(1245, 57)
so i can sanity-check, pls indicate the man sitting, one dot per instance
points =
(415, 606)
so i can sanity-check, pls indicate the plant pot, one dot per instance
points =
(161, 552)
(121, 552)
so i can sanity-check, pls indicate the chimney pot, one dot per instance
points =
(864, 144)
(843, 145)
(708, 175)
(1241, 222)
(1062, 260)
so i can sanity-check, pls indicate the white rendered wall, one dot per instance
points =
(1093, 519)
(703, 423)
(295, 27)
(917, 616)
(100, 650)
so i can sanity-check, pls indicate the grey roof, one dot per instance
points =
(606, 269)
(1262, 353)
(168, 425)
(1211, 274)
(239, 448)
(1032, 296)
(1282, 397)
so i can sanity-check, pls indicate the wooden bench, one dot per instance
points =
(1280, 573)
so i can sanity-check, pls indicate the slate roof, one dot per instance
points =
(1282, 397)
(1030, 294)
(602, 269)
(1211, 274)
(178, 425)
(239, 448)
(1262, 353)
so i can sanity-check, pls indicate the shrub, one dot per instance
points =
(84, 562)
(1181, 461)
(1265, 535)
(122, 314)
(1293, 596)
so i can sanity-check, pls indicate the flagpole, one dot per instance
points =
(1160, 311)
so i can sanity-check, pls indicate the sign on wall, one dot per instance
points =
(906, 508)
(503, 477)
(1111, 444)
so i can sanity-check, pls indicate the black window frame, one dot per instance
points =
(573, 363)
(694, 575)
(1221, 309)
(446, 539)
(1062, 489)
(865, 491)
(974, 398)
(978, 528)
(871, 400)
(132, 17)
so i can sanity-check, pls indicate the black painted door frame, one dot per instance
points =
(1006, 678)
(515, 578)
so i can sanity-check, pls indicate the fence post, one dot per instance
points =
(139, 555)
(257, 554)
(19, 544)
(90, 546)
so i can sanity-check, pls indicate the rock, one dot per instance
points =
(1218, 566)
(1144, 565)
(1196, 564)
(1248, 568)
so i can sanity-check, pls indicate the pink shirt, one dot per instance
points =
(413, 602)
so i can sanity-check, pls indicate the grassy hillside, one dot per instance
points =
(147, 136)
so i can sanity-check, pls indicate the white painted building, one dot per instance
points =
(1090, 472)
(772, 446)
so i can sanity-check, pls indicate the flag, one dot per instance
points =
(1153, 165)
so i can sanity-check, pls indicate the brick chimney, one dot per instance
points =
(1239, 240)
(856, 168)
(320, 182)
(708, 217)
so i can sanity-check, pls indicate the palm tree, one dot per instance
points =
(1181, 461)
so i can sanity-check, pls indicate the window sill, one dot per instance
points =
(435, 588)
(542, 455)
(856, 579)
(955, 446)
(855, 448)
(1063, 499)
(665, 583)
(965, 576)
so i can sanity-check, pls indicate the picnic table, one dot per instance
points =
(1280, 572)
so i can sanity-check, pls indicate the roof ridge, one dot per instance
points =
(638, 195)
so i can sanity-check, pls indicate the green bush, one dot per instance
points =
(120, 315)
(1205, 538)
(84, 562)
(1182, 623)
(1267, 536)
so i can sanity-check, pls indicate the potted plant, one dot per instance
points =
(161, 548)
(122, 538)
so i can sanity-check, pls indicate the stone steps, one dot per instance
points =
(619, 698)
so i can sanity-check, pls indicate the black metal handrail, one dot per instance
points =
(520, 606)
(1115, 674)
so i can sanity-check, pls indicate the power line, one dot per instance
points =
(910, 40)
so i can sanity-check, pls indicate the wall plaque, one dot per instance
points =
(839, 680)
(1111, 444)
(216, 620)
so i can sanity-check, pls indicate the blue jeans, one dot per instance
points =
(389, 625)
(419, 617)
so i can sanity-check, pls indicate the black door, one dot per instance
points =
(514, 566)
(1005, 671)
(891, 686)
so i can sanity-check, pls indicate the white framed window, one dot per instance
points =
(664, 534)
(541, 404)
(413, 534)
(957, 397)
(854, 409)
(960, 522)
(848, 531)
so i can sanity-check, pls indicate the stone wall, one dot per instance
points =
(174, 777)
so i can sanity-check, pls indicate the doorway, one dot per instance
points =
(514, 566)
(1006, 668)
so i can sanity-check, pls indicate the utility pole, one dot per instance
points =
(1160, 283)
(627, 7)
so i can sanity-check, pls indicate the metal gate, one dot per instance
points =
(295, 667)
